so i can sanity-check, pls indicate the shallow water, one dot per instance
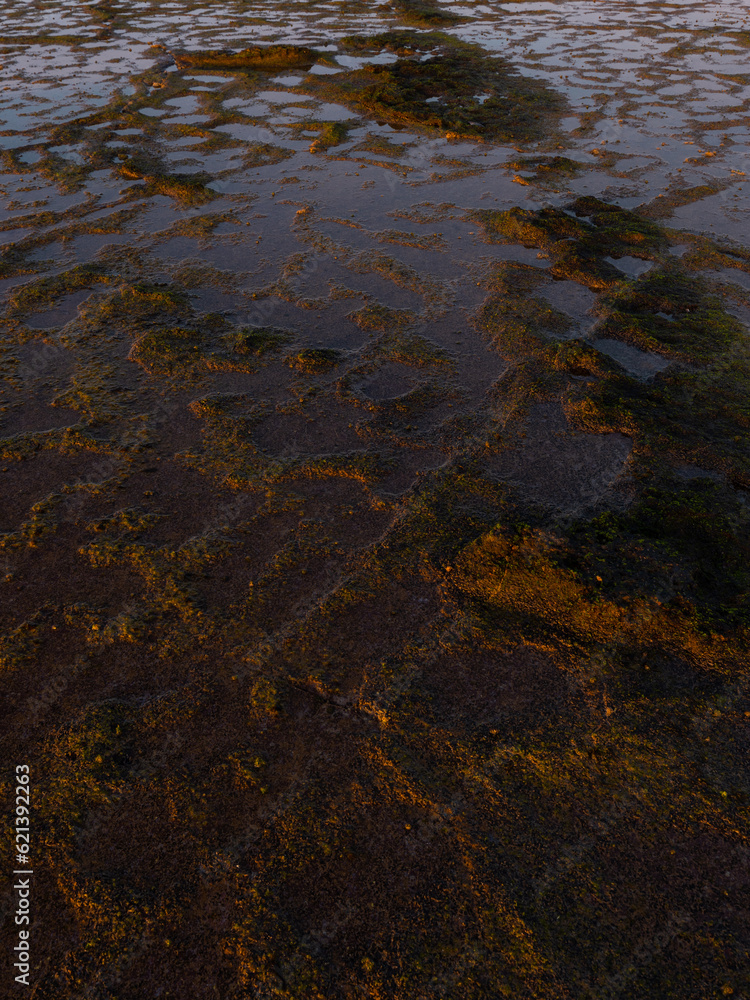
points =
(657, 105)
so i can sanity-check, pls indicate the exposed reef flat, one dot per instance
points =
(374, 473)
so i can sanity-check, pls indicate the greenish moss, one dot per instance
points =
(130, 519)
(425, 14)
(190, 189)
(376, 316)
(412, 404)
(332, 134)
(260, 340)
(663, 206)
(19, 646)
(514, 321)
(186, 351)
(612, 582)
(218, 404)
(695, 532)
(259, 57)
(96, 392)
(549, 170)
(199, 225)
(579, 239)
(671, 312)
(410, 349)
(400, 41)
(516, 108)
(67, 440)
(559, 165)
(43, 293)
(367, 467)
(97, 744)
(138, 302)
(542, 229)
(264, 154)
(698, 417)
(618, 231)
(43, 38)
(312, 360)
(102, 11)
(68, 175)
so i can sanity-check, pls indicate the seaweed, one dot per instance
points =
(260, 340)
(313, 360)
(265, 58)
(673, 313)
(425, 13)
(332, 134)
(579, 239)
(444, 91)
(190, 189)
(44, 292)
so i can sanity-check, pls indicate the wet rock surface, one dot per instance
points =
(556, 467)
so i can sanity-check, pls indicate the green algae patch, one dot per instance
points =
(683, 542)
(45, 292)
(547, 171)
(423, 14)
(696, 411)
(673, 313)
(561, 166)
(458, 91)
(619, 231)
(43, 38)
(668, 577)
(364, 467)
(188, 351)
(410, 349)
(332, 134)
(189, 189)
(542, 229)
(103, 11)
(578, 239)
(377, 317)
(137, 302)
(127, 519)
(90, 759)
(170, 351)
(265, 154)
(597, 227)
(516, 323)
(663, 206)
(314, 360)
(401, 42)
(696, 417)
(260, 340)
(265, 58)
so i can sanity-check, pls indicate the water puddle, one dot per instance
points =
(642, 364)
(631, 266)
